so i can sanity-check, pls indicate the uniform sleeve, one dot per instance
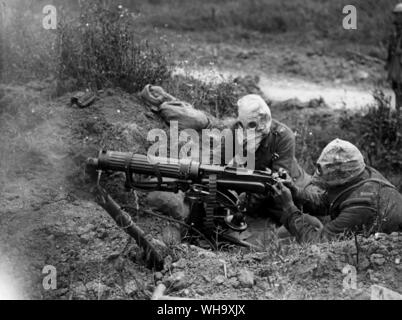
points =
(313, 199)
(285, 150)
(353, 216)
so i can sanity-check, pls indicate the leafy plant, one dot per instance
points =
(219, 99)
(376, 131)
(101, 49)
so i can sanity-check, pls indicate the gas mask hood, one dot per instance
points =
(254, 119)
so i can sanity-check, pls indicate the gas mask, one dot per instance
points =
(339, 163)
(252, 126)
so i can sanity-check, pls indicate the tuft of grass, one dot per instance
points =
(101, 49)
(376, 131)
(218, 99)
(94, 46)
(217, 95)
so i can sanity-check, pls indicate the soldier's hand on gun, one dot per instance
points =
(282, 195)
(287, 180)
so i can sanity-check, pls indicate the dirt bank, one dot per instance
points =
(48, 216)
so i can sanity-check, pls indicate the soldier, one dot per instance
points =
(274, 141)
(394, 60)
(275, 150)
(357, 198)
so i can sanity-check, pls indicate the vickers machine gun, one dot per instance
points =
(211, 190)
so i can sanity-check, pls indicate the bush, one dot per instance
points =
(218, 99)
(314, 129)
(101, 49)
(377, 133)
(96, 48)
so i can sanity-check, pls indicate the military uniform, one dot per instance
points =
(369, 203)
(276, 151)
(274, 143)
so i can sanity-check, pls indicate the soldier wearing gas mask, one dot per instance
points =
(274, 145)
(356, 198)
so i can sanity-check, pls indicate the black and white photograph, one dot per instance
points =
(201, 154)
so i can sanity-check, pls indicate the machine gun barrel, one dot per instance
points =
(242, 180)
(142, 164)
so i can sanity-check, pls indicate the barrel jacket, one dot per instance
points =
(369, 204)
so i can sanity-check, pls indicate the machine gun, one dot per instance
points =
(211, 190)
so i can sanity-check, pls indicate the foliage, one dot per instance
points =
(377, 132)
(219, 99)
(101, 49)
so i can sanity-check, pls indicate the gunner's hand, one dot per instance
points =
(282, 195)
(287, 180)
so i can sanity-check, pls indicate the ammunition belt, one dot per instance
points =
(211, 205)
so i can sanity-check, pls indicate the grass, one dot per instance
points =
(92, 48)
(218, 99)
(100, 50)
(378, 134)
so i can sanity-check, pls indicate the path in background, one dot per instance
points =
(284, 88)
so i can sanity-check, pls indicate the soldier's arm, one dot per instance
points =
(312, 198)
(353, 216)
